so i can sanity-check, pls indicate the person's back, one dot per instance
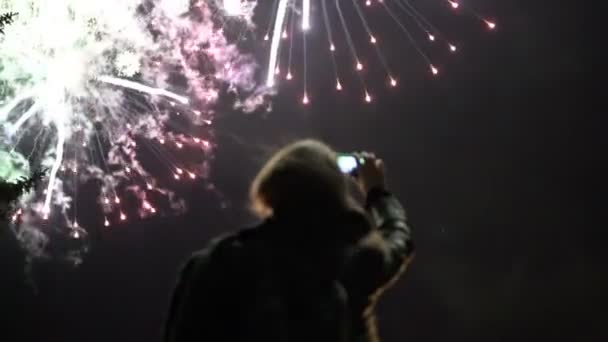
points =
(309, 272)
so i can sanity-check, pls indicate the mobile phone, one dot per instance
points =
(348, 163)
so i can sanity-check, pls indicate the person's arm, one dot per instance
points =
(385, 252)
(393, 236)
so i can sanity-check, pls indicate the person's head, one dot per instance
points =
(303, 176)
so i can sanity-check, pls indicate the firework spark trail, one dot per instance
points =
(276, 41)
(142, 88)
(305, 15)
(99, 79)
(26, 116)
(56, 165)
(285, 8)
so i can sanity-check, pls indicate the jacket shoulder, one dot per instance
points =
(223, 247)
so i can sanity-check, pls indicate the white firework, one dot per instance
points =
(84, 83)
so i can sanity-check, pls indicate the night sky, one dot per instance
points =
(493, 161)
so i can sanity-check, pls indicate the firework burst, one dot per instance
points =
(88, 86)
(292, 16)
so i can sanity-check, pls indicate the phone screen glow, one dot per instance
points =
(347, 163)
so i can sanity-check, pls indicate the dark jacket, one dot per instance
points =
(293, 279)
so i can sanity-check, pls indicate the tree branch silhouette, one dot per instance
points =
(10, 192)
(6, 19)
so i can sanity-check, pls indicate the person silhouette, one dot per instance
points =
(312, 270)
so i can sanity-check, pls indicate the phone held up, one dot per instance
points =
(348, 163)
